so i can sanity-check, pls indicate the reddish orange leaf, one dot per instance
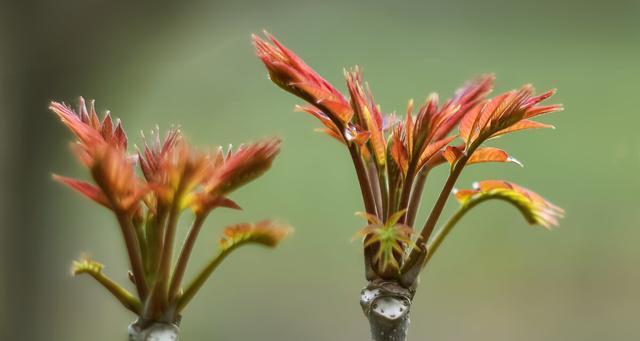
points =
(90, 191)
(433, 148)
(504, 113)
(292, 74)
(453, 153)
(490, 154)
(368, 115)
(330, 127)
(523, 125)
(243, 166)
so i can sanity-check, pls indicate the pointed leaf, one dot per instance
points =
(490, 154)
(523, 125)
(433, 148)
(371, 219)
(367, 115)
(243, 166)
(90, 191)
(292, 74)
(394, 218)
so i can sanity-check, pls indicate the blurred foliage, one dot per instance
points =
(192, 64)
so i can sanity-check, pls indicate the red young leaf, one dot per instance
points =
(292, 74)
(490, 154)
(90, 191)
(367, 115)
(503, 113)
(246, 164)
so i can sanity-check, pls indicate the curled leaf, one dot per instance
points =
(94, 269)
(268, 233)
(86, 266)
(534, 208)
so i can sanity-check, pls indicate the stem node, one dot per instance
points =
(387, 305)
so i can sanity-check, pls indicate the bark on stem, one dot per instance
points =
(154, 331)
(387, 306)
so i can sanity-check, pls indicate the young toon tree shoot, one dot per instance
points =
(392, 158)
(174, 178)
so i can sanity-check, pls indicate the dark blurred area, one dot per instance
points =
(191, 63)
(51, 50)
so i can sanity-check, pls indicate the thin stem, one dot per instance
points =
(439, 237)
(142, 244)
(375, 185)
(133, 250)
(418, 187)
(162, 281)
(363, 180)
(125, 297)
(384, 191)
(416, 258)
(183, 259)
(201, 278)
(406, 191)
(442, 200)
(361, 171)
(156, 239)
(416, 196)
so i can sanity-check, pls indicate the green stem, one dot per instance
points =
(201, 278)
(125, 297)
(439, 237)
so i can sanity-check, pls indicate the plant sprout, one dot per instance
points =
(393, 157)
(174, 178)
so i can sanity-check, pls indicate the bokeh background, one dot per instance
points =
(191, 63)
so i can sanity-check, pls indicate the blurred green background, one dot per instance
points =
(192, 64)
